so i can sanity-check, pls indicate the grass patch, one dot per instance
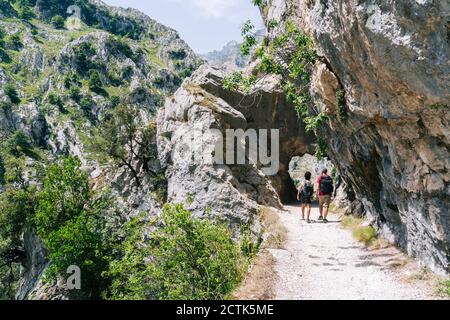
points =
(258, 284)
(259, 281)
(364, 234)
(333, 208)
(277, 233)
(444, 288)
(152, 54)
(205, 99)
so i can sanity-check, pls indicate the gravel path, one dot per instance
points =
(324, 261)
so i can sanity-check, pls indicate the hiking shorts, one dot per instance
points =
(305, 200)
(324, 201)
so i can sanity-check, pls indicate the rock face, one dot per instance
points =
(230, 55)
(390, 58)
(308, 163)
(233, 191)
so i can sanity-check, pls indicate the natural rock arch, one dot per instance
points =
(233, 191)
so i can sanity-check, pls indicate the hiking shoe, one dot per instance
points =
(320, 218)
(308, 221)
(325, 221)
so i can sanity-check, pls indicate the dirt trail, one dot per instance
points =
(324, 261)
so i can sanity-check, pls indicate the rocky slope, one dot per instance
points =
(229, 55)
(67, 80)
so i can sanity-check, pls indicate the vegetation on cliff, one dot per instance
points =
(296, 74)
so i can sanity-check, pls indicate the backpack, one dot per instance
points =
(326, 185)
(307, 189)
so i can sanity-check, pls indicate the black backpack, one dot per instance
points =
(307, 190)
(326, 185)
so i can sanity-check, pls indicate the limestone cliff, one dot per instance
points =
(391, 59)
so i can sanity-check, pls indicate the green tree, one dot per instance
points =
(58, 22)
(190, 259)
(71, 221)
(122, 139)
(66, 192)
(25, 12)
(248, 34)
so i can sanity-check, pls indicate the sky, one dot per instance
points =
(206, 25)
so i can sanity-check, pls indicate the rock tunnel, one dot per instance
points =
(266, 107)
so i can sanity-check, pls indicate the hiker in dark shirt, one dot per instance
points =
(325, 190)
(305, 194)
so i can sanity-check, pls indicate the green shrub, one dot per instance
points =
(189, 259)
(86, 104)
(364, 234)
(9, 281)
(120, 46)
(25, 12)
(83, 54)
(249, 247)
(238, 82)
(71, 79)
(187, 72)
(13, 42)
(16, 208)
(7, 9)
(444, 288)
(299, 51)
(4, 56)
(11, 92)
(2, 35)
(114, 79)
(95, 81)
(248, 34)
(58, 22)
(66, 192)
(17, 202)
(56, 100)
(19, 144)
(177, 54)
(75, 93)
(115, 101)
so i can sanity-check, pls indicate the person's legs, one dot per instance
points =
(325, 212)
(303, 210)
(308, 212)
(320, 206)
(327, 203)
